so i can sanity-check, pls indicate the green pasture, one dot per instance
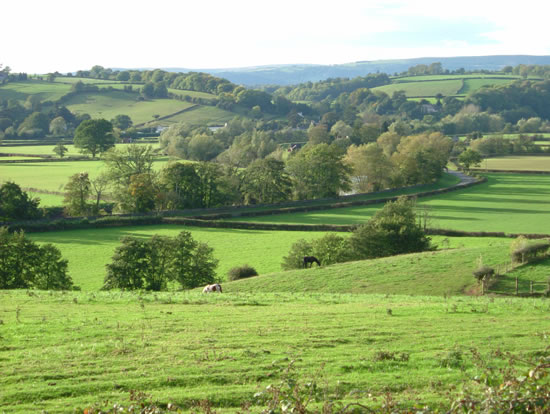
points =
(48, 149)
(473, 76)
(88, 251)
(472, 85)
(445, 87)
(39, 150)
(110, 104)
(517, 162)
(68, 350)
(74, 79)
(52, 176)
(47, 91)
(202, 115)
(442, 272)
(16, 158)
(512, 203)
(193, 94)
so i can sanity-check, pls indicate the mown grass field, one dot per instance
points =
(193, 94)
(52, 176)
(517, 162)
(445, 87)
(74, 79)
(61, 351)
(472, 85)
(88, 251)
(48, 149)
(472, 76)
(512, 203)
(47, 91)
(203, 115)
(110, 104)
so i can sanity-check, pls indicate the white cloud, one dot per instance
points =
(70, 34)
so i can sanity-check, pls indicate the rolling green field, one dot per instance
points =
(48, 149)
(472, 85)
(74, 79)
(193, 94)
(110, 104)
(47, 91)
(512, 203)
(472, 76)
(88, 251)
(52, 176)
(445, 87)
(67, 350)
(202, 115)
(517, 162)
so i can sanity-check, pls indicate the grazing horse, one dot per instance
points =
(309, 260)
(216, 287)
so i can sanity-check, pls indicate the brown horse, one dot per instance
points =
(309, 260)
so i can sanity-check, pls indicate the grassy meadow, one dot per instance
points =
(512, 203)
(517, 162)
(48, 149)
(52, 176)
(110, 104)
(65, 350)
(432, 88)
(20, 91)
(88, 251)
(202, 115)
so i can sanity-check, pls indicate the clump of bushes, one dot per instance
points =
(393, 230)
(26, 265)
(530, 252)
(241, 272)
(484, 273)
(153, 264)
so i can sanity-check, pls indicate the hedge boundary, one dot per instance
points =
(213, 220)
(121, 221)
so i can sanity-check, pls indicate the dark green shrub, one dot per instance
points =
(530, 252)
(483, 272)
(393, 230)
(241, 272)
(151, 264)
(27, 265)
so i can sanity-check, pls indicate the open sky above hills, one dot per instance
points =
(67, 36)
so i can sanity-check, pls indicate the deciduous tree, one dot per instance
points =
(94, 136)
(16, 204)
(319, 171)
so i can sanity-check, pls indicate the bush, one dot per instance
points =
(483, 272)
(151, 264)
(15, 204)
(241, 272)
(530, 252)
(393, 230)
(329, 249)
(26, 265)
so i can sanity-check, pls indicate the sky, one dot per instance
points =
(70, 35)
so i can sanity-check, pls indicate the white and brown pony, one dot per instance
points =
(216, 287)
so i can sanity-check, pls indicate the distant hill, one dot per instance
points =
(297, 73)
